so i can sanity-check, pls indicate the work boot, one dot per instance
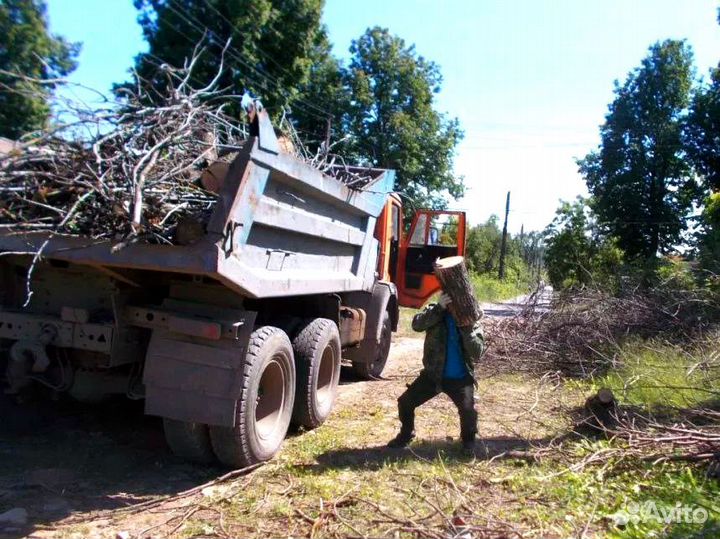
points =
(403, 439)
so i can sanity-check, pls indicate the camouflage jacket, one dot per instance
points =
(432, 321)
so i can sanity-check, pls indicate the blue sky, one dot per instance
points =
(529, 80)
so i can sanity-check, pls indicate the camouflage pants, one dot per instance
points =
(461, 392)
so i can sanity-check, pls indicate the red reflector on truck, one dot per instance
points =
(195, 328)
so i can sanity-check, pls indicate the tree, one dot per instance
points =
(270, 53)
(483, 246)
(639, 177)
(702, 133)
(392, 121)
(576, 251)
(702, 137)
(28, 49)
(324, 85)
(482, 252)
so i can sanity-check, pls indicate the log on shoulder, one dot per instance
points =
(455, 281)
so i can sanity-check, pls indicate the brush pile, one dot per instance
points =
(578, 334)
(128, 171)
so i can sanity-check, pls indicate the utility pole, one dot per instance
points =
(503, 245)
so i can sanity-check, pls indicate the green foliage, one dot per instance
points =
(326, 86)
(380, 106)
(392, 122)
(273, 48)
(602, 498)
(489, 288)
(702, 131)
(482, 247)
(28, 49)
(709, 240)
(640, 181)
(576, 254)
(674, 273)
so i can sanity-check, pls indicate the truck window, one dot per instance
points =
(443, 230)
(418, 235)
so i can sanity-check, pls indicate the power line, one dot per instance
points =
(236, 55)
(268, 56)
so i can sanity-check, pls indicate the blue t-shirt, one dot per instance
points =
(454, 364)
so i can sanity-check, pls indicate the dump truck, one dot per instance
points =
(240, 331)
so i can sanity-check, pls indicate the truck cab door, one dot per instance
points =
(432, 235)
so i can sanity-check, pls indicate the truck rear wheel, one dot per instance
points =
(373, 367)
(265, 405)
(190, 441)
(317, 358)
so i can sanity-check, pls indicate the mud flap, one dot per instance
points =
(194, 379)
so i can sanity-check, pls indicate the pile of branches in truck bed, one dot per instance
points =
(129, 170)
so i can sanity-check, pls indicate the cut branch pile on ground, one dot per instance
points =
(685, 440)
(579, 334)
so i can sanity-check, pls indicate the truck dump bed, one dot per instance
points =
(280, 227)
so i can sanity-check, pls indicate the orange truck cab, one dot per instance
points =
(406, 259)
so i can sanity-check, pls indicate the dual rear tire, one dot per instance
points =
(283, 382)
(318, 357)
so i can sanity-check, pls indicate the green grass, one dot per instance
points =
(491, 289)
(655, 376)
(606, 498)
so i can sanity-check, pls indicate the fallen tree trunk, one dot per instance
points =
(455, 281)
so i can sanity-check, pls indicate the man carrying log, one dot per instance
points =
(453, 343)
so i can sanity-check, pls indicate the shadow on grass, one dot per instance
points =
(373, 458)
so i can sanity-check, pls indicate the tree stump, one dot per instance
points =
(602, 409)
(455, 282)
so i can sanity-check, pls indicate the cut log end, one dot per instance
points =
(449, 262)
(605, 396)
(455, 282)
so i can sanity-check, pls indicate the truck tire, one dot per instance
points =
(190, 441)
(266, 402)
(317, 360)
(372, 369)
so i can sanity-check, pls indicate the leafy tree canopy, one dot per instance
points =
(703, 130)
(392, 121)
(576, 251)
(271, 48)
(28, 48)
(380, 106)
(639, 177)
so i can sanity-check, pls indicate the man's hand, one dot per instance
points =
(444, 300)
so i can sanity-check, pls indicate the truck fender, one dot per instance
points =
(382, 298)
